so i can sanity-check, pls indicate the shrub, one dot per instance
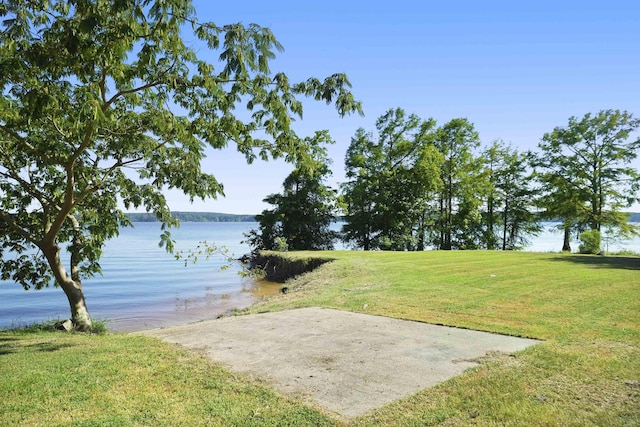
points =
(590, 242)
(281, 244)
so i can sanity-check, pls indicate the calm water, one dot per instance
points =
(143, 287)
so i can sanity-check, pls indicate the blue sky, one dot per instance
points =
(514, 69)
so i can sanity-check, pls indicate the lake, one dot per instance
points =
(143, 287)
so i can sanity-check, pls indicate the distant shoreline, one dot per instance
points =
(193, 217)
(224, 217)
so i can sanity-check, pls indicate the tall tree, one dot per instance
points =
(302, 214)
(586, 169)
(558, 199)
(509, 216)
(390, 181)
(457, 218)
(363, 162)
(492, 159)
(89, 89)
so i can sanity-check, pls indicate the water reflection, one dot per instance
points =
(187, 310)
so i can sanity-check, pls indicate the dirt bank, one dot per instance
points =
(280, 268)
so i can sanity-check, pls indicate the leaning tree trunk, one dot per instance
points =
(79, 312)
(72, 288)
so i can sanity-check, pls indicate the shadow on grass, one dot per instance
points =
(10, 345)
(7, 345)
(48, 346)
(598, 261)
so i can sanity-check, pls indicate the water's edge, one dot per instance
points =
(143, 287)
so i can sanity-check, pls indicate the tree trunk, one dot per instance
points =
(421, 232)
(72, 289)
(449, 208)
(490, 239)
(566, 246)
(79, 312)
(505, 224)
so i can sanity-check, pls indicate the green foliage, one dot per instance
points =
(508, 219)
(390, 181)
(591, 242)
(456, 217)
(205, 250)
(281, 244)
(104, 104)
(418, 185)
(585, 171)
(303, 212)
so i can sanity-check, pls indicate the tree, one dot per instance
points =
(591, 240)
(362, 162)
(457, 218)
(304, 211)
(509, 217)
(492, 157)
(390, 182)
(103, 104)
(586, 170)
(558, 200)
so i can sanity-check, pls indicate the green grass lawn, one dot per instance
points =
(586, 372)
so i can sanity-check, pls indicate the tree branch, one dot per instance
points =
(157, 82)
(28, 145)
(8, 220)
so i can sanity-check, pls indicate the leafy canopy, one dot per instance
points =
(390, 179)
(104, 103)
(301, 216)
(586, 170)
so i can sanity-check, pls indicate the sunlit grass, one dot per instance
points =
(540, 295)
(586, 308)
(51, 379)
(586, 372)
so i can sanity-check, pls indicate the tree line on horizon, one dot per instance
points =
(412, 184)
(192, 217)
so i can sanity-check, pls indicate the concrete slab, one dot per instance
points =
(347, 362)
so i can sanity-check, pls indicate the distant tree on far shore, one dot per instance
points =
(192, 217)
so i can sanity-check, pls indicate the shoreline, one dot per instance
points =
(196, 310)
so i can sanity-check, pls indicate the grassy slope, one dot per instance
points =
(587, 308)
(587, 372)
